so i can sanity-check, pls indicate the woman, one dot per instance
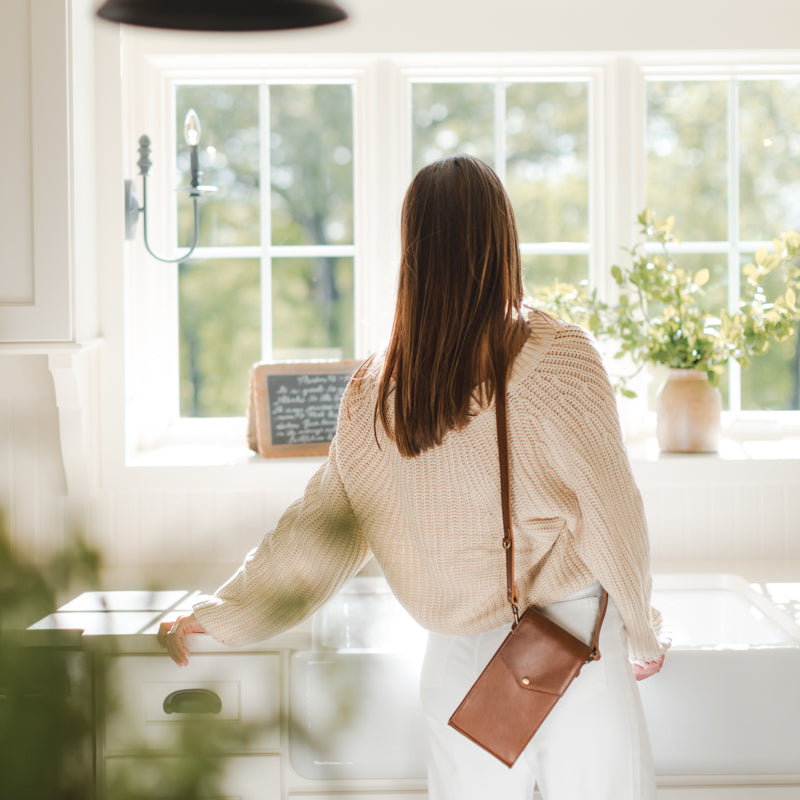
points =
(413, 478)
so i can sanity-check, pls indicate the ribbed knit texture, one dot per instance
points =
(434, 522)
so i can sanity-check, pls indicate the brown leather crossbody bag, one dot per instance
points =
(533, 666)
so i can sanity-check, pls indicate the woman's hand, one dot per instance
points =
(172, 637)
(648, 668)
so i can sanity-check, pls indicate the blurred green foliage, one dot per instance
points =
(314, 313)
(687, 147)
(46, 704)
(220, 334)
(546, 145)
(49, 706)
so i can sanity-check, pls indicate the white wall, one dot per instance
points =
(543, 25)
(710, 511)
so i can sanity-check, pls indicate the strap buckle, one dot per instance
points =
(515, 612)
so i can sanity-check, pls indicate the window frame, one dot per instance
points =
(382, 167)
(499, 77)
(671, 68)
(265, 251)
(153, 413)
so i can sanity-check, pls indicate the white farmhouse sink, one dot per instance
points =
(726, 702)
(355, 707)
(728, 698)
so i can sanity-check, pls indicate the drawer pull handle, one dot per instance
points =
(192, 701)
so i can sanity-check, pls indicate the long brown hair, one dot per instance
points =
(459, 300)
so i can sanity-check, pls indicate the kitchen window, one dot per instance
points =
(275, 273)
(273, 276)
(299, 247)
(536, 134)
(723, 156)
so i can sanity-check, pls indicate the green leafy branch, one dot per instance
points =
(662, 318)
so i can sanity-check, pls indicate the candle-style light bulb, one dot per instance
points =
(191, 132)
(191, 128)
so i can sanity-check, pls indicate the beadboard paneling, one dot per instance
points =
(31, 476)
(698, 510)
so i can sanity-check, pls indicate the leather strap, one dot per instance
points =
(595, 656)
(505, 499)
(505, 490)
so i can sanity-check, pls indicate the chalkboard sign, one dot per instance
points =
(294, 407)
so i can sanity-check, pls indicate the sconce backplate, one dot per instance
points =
(131, 210)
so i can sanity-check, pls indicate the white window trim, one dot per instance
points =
(616, 194)
(737, 421)
(467, 71)
(155, 415)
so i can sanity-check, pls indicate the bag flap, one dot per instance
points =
(541, 655)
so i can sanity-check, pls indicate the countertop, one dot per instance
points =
(127, 621)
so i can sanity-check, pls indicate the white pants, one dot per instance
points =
(593, 745)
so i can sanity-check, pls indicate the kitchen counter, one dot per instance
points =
(128, 621)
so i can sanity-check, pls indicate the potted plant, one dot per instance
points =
(662, 318)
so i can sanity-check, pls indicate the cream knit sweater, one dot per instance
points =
(434, 522)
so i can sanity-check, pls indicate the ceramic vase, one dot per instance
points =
(688, 410)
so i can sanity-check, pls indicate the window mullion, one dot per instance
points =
(597, 219)
(624, 186)
(555, 248)
(500, 128)
(265, 201)
(734, 283)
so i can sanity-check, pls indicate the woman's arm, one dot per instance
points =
(611, 535)
(315, 548)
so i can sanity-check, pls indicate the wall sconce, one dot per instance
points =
(191, 133)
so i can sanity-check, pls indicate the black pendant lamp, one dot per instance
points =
(223, 15)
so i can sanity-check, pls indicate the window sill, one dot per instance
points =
(193, 442)
(213, 454)
(755, 459)
(197, 442)
(233, 454)
(730, 449)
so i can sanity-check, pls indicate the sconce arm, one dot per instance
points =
(192, 246)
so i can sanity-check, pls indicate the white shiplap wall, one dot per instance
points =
(702, 510)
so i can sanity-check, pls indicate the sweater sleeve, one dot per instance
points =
(315, 548)
(610, 533)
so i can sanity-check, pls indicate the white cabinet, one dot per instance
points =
(218, 725)
(46, 227)
(242, 777)
(153, 697)
(220, 717)
(421, 795)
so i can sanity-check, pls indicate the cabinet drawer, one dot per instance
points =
(237, 696)
(367, 795)
(239, 778)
